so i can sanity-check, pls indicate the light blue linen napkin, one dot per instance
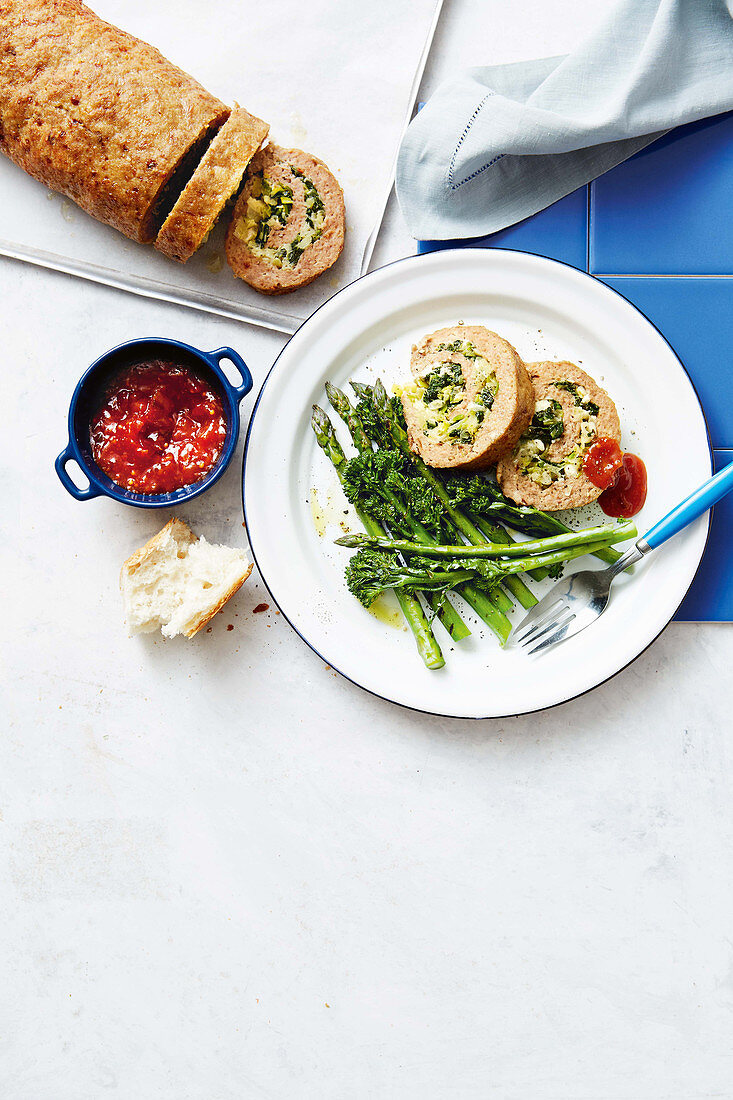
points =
(500, 143)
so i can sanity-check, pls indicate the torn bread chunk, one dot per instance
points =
(288, 224)
(177, 582)
(212, 184)
(570, 412)
(470, 400)
(99, 115)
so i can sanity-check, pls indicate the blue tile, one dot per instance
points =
(560, 232)
(711, 596)
(696, 316)
(666, 211)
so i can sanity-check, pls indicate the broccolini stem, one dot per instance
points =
(446, 614)
(410, 606)
(491, 531)
(511, 514)
(516, 585)
(524, 565)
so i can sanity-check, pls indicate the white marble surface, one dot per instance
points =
(226, 873)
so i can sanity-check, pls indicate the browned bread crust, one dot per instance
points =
(566, 491)
(502, 425)
(96, 114)
(215, 180)
(205, 618)
(176, 528)
(275, 163)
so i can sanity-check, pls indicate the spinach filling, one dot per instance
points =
(444, 385)
(269, 206)
(436, 395)
(579, 395)
(547, 425)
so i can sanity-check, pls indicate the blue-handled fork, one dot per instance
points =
(576, 602)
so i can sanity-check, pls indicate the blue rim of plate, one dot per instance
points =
(328, 661)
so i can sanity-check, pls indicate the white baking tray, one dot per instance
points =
(336, 78)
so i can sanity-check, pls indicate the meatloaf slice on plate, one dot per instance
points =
(288, 224)
(470, 400)
(571, 411)
(99, 115)
(214, 181)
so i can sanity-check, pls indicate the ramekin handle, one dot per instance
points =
(77, 493)
(239, 363)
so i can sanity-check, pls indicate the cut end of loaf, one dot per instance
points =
(177, 582)
(215, 179)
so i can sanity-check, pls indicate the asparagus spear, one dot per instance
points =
(410, 605)
(534, 548)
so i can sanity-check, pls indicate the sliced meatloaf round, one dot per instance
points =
(99, 115)
(470, 400)
(571, 411)
(288, 224)
(214, 181)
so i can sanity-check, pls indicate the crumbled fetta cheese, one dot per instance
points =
(530, 450)
(435, 417)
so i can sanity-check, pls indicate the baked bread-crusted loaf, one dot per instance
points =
(571, 411)
(470, 400)
(98, 115)
(288, 224)
(177, 582)
(214, 181)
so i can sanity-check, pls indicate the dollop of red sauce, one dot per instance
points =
(602, 461)
(622, 476)
(627, 494)
(160, 427)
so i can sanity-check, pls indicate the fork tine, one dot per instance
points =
(553, 639)
(533, 621)
(555, 622)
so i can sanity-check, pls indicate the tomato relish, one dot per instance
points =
(626, 496)
(602, 461)
(160, 427)
(621, 476)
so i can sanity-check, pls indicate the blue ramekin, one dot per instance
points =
(88, 396)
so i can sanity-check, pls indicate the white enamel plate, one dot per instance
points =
(294, 508)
